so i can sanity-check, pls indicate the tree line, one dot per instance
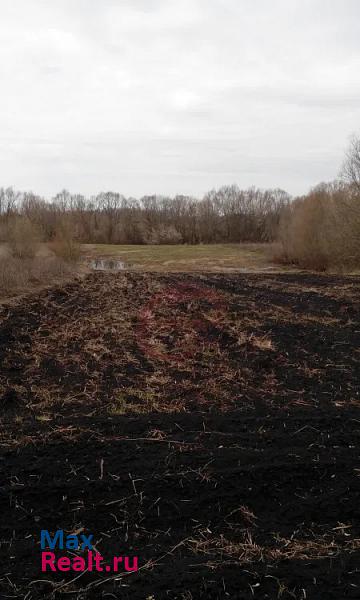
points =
(319, 230)
(226, 215)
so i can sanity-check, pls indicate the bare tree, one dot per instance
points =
(225, 215)
(351, 165)
(9, 200)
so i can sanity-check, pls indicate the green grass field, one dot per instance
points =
(215, 257)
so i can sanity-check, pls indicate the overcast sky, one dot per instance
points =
(176, 96)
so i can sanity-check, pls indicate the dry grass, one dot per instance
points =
(18, 275)
(248, 550)
(187, 258)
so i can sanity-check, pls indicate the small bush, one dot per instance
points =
(23, 238)
(165, 234)
(65, 246)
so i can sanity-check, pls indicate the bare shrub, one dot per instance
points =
(64, 245)
(168, 234)
(321, 231)
(303, 234)
(23, 238)
(351, 166)
(165, 234)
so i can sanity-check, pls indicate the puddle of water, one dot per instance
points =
(107, 264)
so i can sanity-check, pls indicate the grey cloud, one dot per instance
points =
(176, 96)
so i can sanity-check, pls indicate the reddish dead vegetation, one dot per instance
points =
(160, 320)
(209, 424)
(167, 343)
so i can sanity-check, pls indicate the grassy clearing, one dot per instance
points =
(212, 257)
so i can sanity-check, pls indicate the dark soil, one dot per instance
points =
(208, 424)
